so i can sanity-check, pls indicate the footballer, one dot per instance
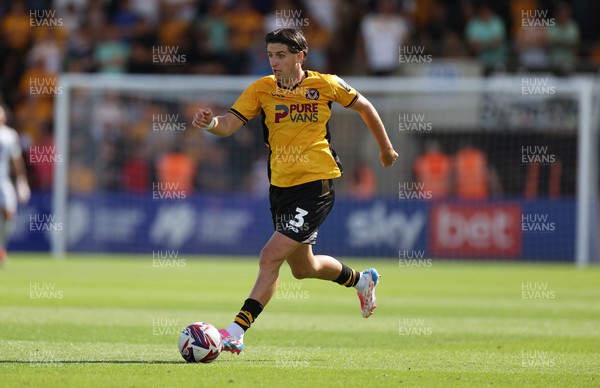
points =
(10, 156)
(295, 106)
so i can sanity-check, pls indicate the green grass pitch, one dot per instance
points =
(114, 321)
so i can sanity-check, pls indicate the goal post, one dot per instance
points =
(454, 108)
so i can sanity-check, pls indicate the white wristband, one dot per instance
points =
(211, 125)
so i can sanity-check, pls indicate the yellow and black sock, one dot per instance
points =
(248, 314)
(348, 277)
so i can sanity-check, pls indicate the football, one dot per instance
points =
(200, 342)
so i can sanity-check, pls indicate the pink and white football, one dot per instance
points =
(200, 342)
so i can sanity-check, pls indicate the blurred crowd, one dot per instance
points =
(41, 38)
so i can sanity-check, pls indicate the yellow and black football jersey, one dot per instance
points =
(295, 125)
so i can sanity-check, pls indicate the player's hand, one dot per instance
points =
(202, 118)
(23, 191)
(388, 157)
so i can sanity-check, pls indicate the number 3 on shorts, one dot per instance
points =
(298, 220)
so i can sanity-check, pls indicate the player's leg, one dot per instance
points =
(305, 264)
(272, 257)
(8, 208)
(6, 217)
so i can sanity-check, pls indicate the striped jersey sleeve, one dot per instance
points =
(247, 106)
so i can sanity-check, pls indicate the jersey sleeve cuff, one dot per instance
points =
(238, 115)
(353, 101)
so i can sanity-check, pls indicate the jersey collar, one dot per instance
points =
(295, 86)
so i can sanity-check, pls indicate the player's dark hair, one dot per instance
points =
(290, 37)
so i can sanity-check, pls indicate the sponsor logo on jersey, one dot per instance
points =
(298, 112)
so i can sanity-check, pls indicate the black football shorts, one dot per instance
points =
(298, 211)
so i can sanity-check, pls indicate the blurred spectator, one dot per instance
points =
(256, 181)
(452, 46)
(362, 183)
(109, 165)
(112, 53)
(543, 179)
(42, 163)
(49, 50)
(431, 21)
(214, 174)
(96, 18)
(81, 178)
(108, 117)
(175, 171)
(324, 12)
(285, 14)
(383, 32)
(173, 29)
(136, 171)
(244, 23)
(125, 19)
(211, 43)
(80, 51)
(474, 178)
(433, 170)
(563, 39)
(142, 44)
(71, 15)
(36, 98)
(319, 39)
(595, 53)
(16, 29)
(486, 33)
(147, 9)
(15, 38)
(531, 39)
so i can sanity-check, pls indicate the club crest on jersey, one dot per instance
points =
(312, 94)
(298, 112)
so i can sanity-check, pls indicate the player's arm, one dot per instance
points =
(369, 114)
(222, 126)
(22, 184)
